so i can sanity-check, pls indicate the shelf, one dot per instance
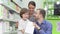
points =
(19, 3)
(10, 32)
(53, 17)
(49, 2)
(51, 9)
(8, 20)
(10, 8)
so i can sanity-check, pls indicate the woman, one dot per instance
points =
(31, 7)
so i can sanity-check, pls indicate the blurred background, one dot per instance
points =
(9, 14)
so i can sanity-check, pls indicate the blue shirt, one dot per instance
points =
(46, 28)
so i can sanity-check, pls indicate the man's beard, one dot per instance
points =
(36, 18)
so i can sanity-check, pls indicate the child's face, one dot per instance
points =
(25, 16)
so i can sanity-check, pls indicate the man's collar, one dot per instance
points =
(42, 22)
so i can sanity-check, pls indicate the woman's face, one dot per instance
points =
(31, 8)
(25, 16)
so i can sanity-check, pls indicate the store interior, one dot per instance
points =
(9, 14)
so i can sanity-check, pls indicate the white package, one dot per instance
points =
(29, 28)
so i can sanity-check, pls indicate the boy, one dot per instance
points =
(24, 24)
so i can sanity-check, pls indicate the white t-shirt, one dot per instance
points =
(26, 25)
(29, 28)
(21, 25)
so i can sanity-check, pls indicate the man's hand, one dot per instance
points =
(36, 26)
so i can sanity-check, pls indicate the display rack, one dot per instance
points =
(6, 6)
(50, 10)
(10, 8)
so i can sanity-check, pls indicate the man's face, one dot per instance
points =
(31, 8)
(37, 14)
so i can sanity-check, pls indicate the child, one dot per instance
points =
(24, 24)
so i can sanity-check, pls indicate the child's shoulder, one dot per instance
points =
(20, 20)
(29, 21)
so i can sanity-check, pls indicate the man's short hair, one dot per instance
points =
(23, 11)
(43, 12)
(32, 3)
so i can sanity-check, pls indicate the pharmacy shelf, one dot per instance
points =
(11, 32)
(7, 6)
(8, 20)
(19, 2)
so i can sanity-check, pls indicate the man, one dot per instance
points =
(43, 26)
(31, 7)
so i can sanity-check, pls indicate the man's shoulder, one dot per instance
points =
(48, 22)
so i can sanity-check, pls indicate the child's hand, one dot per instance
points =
(16, 24)
(23, 31)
